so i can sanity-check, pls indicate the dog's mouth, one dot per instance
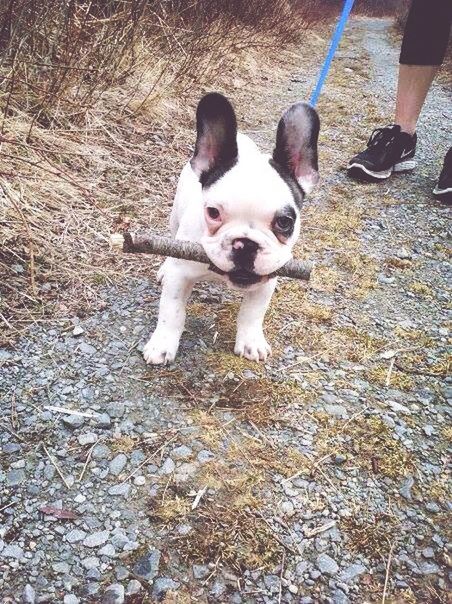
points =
(243, 277)
(238, 276)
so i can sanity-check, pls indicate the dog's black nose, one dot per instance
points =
(245, 246)
(244, 253)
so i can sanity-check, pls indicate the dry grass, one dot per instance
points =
(371, 534)
(226, 527)
(421, 289)
(83, 127)
(367, 442)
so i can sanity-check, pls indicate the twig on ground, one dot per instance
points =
(275, 535)
(8, 505)
(55, 465)
(388, 568)
(199, 495)
(69, 411)
(320, 529)
(88, 459)
(281, 576)
(389, 374)
(11, 431)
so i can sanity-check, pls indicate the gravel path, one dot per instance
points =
(321, 477)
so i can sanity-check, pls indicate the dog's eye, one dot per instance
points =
(213, 213)
(284, 223)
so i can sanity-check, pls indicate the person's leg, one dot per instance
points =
(424, 44)
(412, 87)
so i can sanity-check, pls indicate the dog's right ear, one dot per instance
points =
(216, 141)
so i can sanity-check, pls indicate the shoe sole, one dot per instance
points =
(444, 195)
(359, 171)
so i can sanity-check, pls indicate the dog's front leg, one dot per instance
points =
(250, 341)
(164, 342)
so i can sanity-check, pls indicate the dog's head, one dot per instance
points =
(252, 201)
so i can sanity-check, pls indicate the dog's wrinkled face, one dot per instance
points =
(251, 201)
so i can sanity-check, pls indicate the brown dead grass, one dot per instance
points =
(367, 442)
(371, 534)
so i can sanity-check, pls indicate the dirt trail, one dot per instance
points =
(316, 478)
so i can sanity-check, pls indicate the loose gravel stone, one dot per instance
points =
(114, 594)
(73, 421)
(29, 595)
(15, 478)
(120, 490)
(88, 438)
(147, 567)
(405, 489)
(96, 539)
(61, 568)
(133, 587)
(326, 565)
(352, 572)
(162, 585)
(70, 599)
(182, 452)
(12, 551)
(200, 571)
(117, 464)
(75, 535)
(168, 467)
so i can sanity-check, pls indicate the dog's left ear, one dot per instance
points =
(296, 145)
(216, 141)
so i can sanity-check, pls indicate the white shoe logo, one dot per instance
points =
(405, 154)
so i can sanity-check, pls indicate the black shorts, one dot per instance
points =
(426, 32)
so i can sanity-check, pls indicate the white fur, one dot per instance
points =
(249, 194)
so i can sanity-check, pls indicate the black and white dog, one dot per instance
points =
(243, 207)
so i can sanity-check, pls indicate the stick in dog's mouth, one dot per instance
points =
(147, 243)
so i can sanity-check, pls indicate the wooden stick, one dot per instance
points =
(146, 243)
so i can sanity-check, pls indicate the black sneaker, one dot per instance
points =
(443, 189)
(388, 150)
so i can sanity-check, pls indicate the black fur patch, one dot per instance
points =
(211, 176)
(284, 233)
(295, 189)
(216, 127)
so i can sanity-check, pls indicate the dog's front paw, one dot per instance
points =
(161, 349)
(252, 345)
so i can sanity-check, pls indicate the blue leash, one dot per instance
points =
(348, 5)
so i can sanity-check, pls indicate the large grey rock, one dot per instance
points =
(120, 490)
(96, 539)
(75, 535)
(351, 572)
(147, 567)
(133, 587)
(182, 452)
(326, 565)
(15, 477)
(117, 464)
(73, 421)
(12, 551)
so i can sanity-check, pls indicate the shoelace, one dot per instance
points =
(382, 136)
